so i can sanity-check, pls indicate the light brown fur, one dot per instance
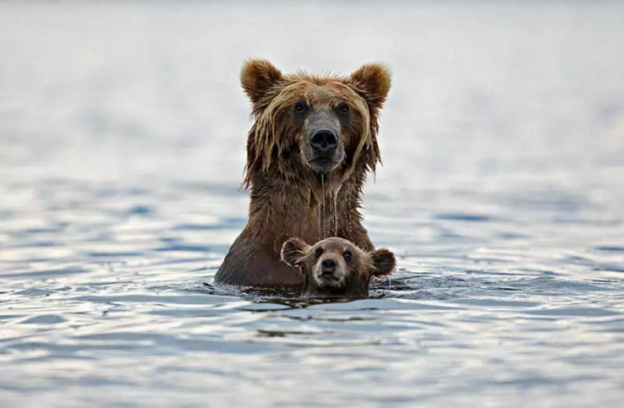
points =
(351, 276)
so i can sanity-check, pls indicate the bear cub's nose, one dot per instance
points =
(328, 266)
(324, 141)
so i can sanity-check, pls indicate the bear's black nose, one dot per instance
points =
(329, 265)
(324, 140)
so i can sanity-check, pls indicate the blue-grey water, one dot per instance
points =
(122, 140)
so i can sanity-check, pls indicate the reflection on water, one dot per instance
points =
(123, 134)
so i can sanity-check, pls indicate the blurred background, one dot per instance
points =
(122, 147)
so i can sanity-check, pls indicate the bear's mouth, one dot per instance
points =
(328, 281)
(325, 165)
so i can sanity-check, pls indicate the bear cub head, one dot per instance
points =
(335, 267)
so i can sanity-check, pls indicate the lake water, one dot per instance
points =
(122, 134)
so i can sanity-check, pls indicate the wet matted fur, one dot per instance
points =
(292, 194)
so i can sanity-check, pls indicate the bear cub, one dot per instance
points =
(335, 267)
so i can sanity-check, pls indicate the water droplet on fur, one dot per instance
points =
(322, 208)
(349, 209)
(335, 198)
(318, 216)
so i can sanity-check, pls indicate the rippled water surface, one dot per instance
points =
(502, 193)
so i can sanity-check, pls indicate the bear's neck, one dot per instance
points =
(312, 209)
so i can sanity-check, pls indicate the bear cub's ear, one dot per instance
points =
(383, 262)
(372, 82)
(257, 77)
(293, 251)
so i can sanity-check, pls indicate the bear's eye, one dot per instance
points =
(344, 107)
(319, 252)
(300, 107)
(347, 255)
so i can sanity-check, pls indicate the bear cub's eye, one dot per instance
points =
(319, 252)
(300, 106)
(347, 255)
(344, 107)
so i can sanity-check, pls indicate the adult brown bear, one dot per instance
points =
(313, 142)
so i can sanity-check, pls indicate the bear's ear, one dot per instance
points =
(383, 262)
(372, 82)
(293, 251)
(257, 77)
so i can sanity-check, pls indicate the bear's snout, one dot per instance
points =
(324, 141)
(328, 266)
(323, 149)
(329, 273)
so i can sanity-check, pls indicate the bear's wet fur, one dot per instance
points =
(313, 141)
(335, 267)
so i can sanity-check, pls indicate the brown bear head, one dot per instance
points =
(335, 267)
(307, 124)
